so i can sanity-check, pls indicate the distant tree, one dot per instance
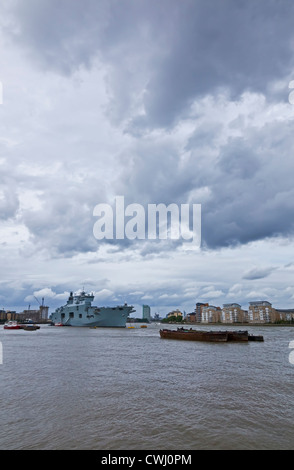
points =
(172, 319)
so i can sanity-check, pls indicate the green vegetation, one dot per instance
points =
(284, 322)
(173, 319)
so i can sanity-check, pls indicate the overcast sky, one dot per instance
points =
(166, 101)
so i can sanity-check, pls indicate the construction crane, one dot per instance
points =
(39, 301)
(43, 311)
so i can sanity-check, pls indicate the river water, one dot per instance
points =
(113, 389)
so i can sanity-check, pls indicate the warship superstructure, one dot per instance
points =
(78, 311)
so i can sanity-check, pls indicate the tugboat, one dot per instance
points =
(11, 325)
(31, 327)
(78, 311)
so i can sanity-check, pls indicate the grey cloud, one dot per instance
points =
(250, 192)
(252, 197)
(60, 35)
(63, 225)
(169, 52)
(56, 230)
(238, 160)
(9, 202)
(212, 45)
(65, 35)
(220, 44)
(248, 180)
(258, 273)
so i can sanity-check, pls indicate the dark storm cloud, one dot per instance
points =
(245, 185)
(238, 160)
(164, 57)
(237, 45)
(182, 49)
(251, 188)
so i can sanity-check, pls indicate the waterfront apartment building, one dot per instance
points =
(198, 311)
(195, 317)
(233, 313)
(285, 314)
(261, 311)
(210, 314)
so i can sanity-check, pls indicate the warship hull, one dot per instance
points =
(79, 312)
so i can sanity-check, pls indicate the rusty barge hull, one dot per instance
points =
(210, 336)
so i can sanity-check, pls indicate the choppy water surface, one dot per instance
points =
(81, 388)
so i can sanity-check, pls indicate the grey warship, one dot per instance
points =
(78, 311)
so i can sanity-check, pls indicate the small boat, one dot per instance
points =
(12, 325)
(211, 336)
(143, 326)
(58, 324)
(31, 327)
(131, 327)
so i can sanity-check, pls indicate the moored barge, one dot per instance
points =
(210, 336)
